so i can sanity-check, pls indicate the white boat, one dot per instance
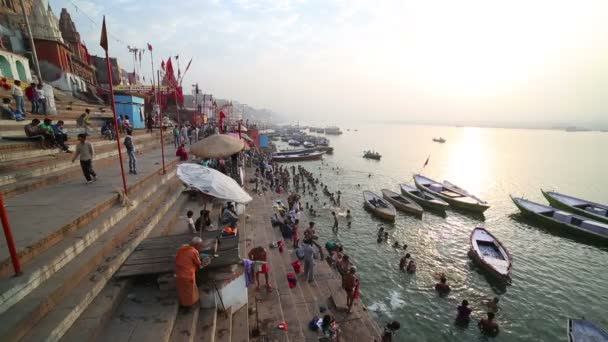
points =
(308, 144)
(378, 206)
(454, 195)
(490, 254)
(582, 330)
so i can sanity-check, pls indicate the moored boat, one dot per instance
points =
(490, 254)
(315, 155)
(582, 330)
(402, 203)
(308, 144)
(378, 206)
(562, 220)
(424, 199)
(596, 211)
(439, 140)
(454, 195)
(294, 142)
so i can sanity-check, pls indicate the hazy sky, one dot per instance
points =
(331, 60)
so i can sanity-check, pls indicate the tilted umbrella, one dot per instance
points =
(212, 183)
(217, 146)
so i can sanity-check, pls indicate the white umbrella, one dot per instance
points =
(212, 183)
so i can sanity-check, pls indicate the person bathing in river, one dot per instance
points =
(488, 326)
(335, 226)
(492, 304)
(411, 267)
(463, 313)
(403, 262)
(349, 218)
(442, 287)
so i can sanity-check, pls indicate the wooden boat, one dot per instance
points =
(401, 203)
(582, 330)
(454, 195)
(371, 155)
(596, 211)
(308, 144)
(378, 206)
(562, 220)
(490, 254)
(293, 142)
(298, 156)
(439, 140)
(424, 199)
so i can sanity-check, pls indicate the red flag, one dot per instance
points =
(426, 162)
(104, 35)
(221, 123)
(171, 81)
(149, 47)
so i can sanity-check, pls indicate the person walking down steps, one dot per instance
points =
(130, 146)
(84, 150)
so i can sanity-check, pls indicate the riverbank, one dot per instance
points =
(299, 305)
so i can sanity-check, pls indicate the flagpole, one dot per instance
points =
(160, 113)
(152, 62)
(122, 167)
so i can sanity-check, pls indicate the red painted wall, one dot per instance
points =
(254, 134)
(54, 53)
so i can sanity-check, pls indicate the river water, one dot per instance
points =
(554, 276)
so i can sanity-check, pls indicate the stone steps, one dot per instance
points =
(240, 325)
(223, 330)
(146, 314)
(10, 151)
(98, 314)
(25, 175)
(49, 233)
(48, 311)
(44, 263)
(206, 325)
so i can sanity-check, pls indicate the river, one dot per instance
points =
(554, 276)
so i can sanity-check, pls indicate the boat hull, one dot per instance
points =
(556, 225)
(387, 214)
(411, 207)
(483, 263)
(298, 157)
(429, 204)
(556, 203)
(454, 202)
(581, 330)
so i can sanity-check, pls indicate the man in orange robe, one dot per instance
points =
(187, 262)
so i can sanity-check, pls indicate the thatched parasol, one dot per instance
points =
(217, 146)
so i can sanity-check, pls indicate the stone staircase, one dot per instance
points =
(145, 308)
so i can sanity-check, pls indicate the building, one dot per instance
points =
(14, 48)
(80, 60)
(101, 71)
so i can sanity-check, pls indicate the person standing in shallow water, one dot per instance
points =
(488, 326)
(335, 226)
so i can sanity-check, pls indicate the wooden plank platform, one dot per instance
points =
(156, 255)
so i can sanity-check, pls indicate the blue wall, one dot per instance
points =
(133, 107)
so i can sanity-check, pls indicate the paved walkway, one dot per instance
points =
(36, 214)
(300, 304)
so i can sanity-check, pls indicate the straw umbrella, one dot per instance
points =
(217, 146)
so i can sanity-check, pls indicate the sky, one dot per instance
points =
(328, 61)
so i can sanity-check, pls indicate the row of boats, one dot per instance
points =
(332, 130)
(427, 193)
(566, 212)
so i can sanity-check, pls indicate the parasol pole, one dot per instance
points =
(160, 113)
